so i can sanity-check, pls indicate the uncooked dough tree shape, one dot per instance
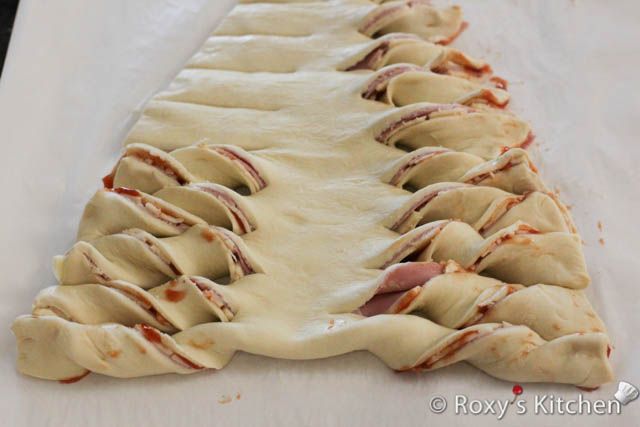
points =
(264, 203)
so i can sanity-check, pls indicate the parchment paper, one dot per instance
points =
(78, 72)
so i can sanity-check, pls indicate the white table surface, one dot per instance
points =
(76, 75)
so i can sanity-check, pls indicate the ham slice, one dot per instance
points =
(396, 281)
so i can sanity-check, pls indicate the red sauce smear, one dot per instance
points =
(74, 379)
(174, 295)
(479, 72)
(125, 191)
(151, 334)
(449, 350)
(188, 362)
(527, 142)
(208, 235)
(407, 299)
(467, 69)
(499, 82)
(488, 96)
(107, 180)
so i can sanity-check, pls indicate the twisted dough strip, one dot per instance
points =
(416, 17)
(516, 254)
(400, 85)
(150, 169)
(144, 260)
(215, 204)
(255, 53)
(406, 16)
(513, 353)
(402, 48)
(511, 171)
(168, 212)
(176, 305)
(482, 132)
(486, 209)
(455, 298)
(405, 84)
(113, 210)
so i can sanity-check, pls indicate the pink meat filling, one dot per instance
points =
(409, 165)
(422, 204)
(376, 89)
(372, 58)
(235, 210)
(395, 283)
(422, 114)
(244, 163)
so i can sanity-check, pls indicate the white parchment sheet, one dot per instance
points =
(78, 72)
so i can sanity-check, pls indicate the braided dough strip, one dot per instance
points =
(353, 19)
(401, 48)
(140, 258)
(328, 52)
(415, 17)
(404, 84)
(513, 353)
(512, 171)
(482, 132)
(149, 169)
(486, 209)
(176, 305)
(168, 212)
(455, 298)
(215, 204)
(113, 210)
(396, 85)
(169, 124)
(516, 254)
